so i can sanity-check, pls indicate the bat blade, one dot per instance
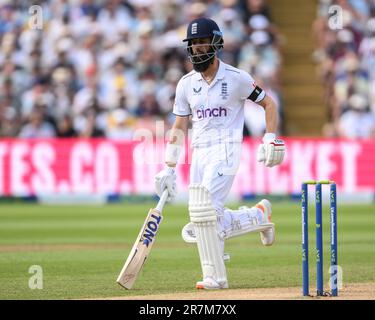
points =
(141, 250)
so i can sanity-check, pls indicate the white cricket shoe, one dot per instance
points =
(210, 284)
(268, 235)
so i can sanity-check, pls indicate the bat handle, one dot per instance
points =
(162, 201)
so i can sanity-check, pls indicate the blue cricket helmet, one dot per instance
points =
(203, 28)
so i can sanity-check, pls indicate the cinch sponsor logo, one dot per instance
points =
(150, 230)
(214, 112)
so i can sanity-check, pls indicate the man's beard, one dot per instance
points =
(203, 66)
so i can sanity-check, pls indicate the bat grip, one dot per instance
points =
(163, 199)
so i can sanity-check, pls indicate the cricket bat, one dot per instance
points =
(142, 246)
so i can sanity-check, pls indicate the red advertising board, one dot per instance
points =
(100, 166)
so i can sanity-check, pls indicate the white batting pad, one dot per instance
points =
(242, 221)
(188, 233)
(204, 217)
(237, 228)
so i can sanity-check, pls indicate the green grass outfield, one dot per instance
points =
(82, 249)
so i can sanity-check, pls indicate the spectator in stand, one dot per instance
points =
(65, 127)
(234, 34)
(165, 96)
(368, 63)
(253, 7)
(10, 121)
(87, 124)
(196, 10)
(260, 58)
(350, 79)
(8, 96)
(357, 122)
(37, 126)
(39, 94)
(119, 81)
(88, 93)
(367, 56)
(120, 125)
(115, 20)
(148, 106)
(16, 77)
(10, 21)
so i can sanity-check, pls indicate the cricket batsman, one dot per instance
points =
(213, 95)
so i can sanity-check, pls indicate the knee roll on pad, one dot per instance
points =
(204, 217)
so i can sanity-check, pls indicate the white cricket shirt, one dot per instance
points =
(217, 109)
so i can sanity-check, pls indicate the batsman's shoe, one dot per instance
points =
(210, 284)
(267, 236)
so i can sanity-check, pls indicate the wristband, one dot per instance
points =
(172, 154)
(268, 137)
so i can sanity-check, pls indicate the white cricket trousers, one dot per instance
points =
(215, 167)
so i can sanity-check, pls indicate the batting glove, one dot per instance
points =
(166, 179)
(271, 151)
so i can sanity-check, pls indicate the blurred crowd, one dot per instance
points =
(344, 33)
(104, 68)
